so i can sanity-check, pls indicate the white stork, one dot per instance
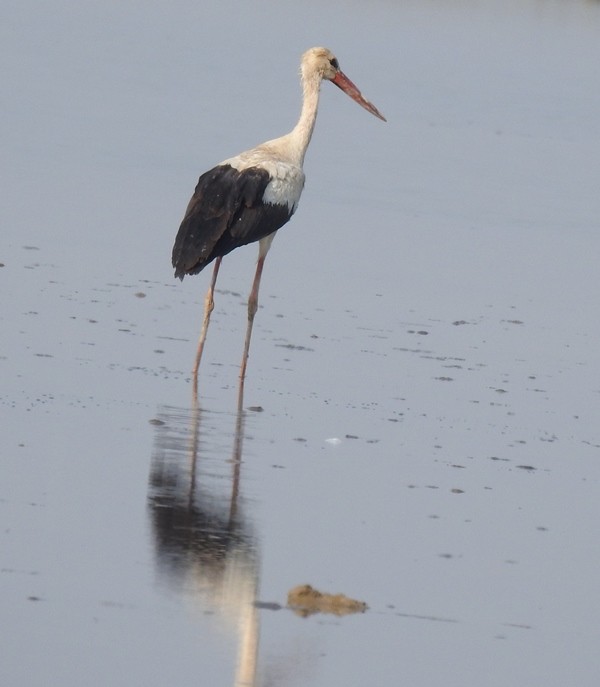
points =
(250, 196)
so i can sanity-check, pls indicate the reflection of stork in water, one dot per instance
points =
(249, 197)
(204, 544)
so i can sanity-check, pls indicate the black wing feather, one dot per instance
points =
(226, 211)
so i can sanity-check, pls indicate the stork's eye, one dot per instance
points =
(334, 63)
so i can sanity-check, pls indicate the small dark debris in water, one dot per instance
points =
(589, 443)
(34, 598)
(462, 467)
(256, 409)
(513, 321)
(157, 422)
(268, 605)
(293, 347)
(30, 248)
(457, 323)
(505, 460)
(1, 264)
(500, 391)
(373, 441)
(305, 601)
(446, 555)
(301, 439)
(140, 294)
(420, 332)
(541, 528)
(427, 617)
(43, 355)
(158, 350)
(93, 321)
(457, 491)
(444, 379)
(526, 467)
(351, 436)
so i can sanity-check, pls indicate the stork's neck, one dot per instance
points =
(301, 134)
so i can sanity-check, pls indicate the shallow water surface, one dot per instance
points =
(419, 427)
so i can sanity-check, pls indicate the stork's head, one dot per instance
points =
(321, 63)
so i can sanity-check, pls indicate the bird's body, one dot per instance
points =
(249, 197)
(237, 202)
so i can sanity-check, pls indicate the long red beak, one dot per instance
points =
(343, 82)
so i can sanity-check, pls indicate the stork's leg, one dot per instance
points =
(252, 308)
(209, 305)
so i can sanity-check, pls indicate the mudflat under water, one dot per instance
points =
(419, 430)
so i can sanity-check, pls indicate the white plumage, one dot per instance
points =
(286, 179)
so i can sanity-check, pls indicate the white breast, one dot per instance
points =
(286, 185)
(287, 179)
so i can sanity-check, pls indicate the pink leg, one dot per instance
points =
(252, 308)
(209, 305)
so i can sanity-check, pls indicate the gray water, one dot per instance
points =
(420, 426)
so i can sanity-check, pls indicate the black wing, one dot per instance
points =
(226, 211)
